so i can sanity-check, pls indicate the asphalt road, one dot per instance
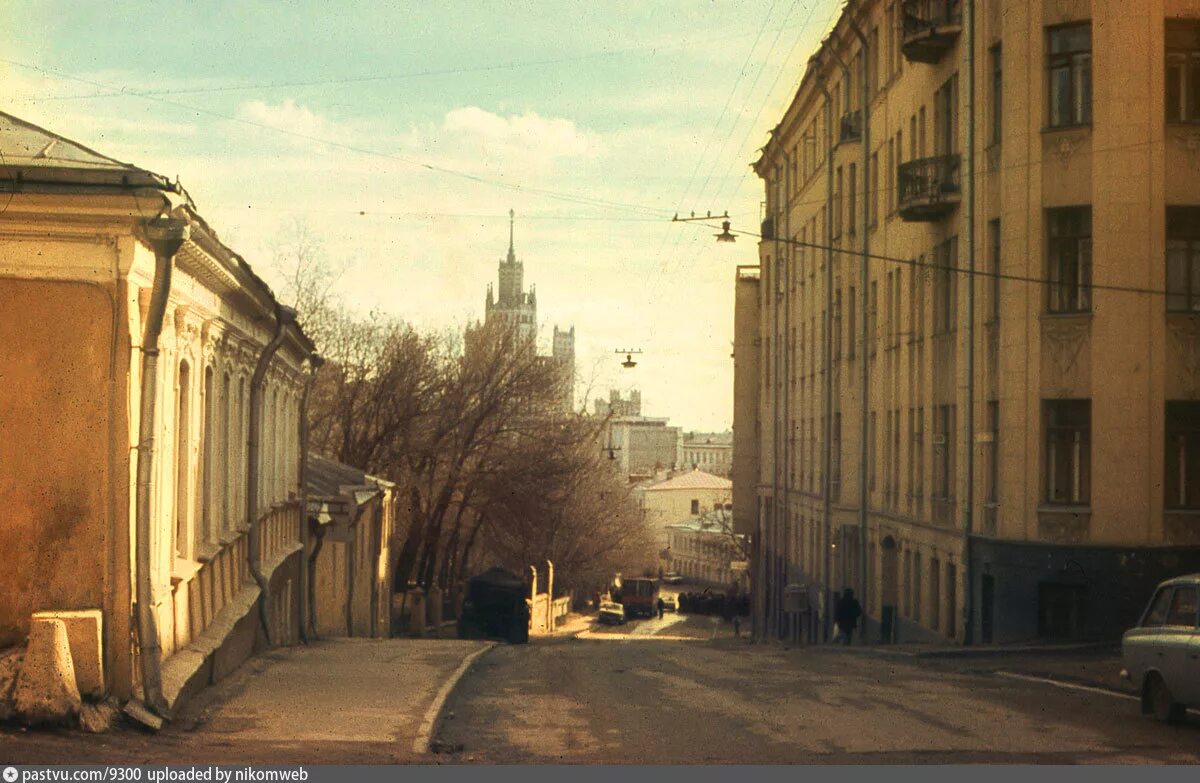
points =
(643, 693)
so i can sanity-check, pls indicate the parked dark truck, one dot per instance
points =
(495, 608)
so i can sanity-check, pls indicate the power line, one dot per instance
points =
(977, 273)
(800, 37)
(552, 194)
(122, 92)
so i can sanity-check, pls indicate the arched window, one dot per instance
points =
(182, 444)
(227, 480)
(209, 462)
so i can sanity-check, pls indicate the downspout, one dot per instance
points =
(969, 218)
(866, 254)
(165, 235)
(827, 358)
(284, 317)
(311, 617)
(307, 577)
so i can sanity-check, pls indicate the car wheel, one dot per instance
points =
(1159, 701)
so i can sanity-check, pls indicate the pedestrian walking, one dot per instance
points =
(737, 627)
(662, 607)
(846, 615)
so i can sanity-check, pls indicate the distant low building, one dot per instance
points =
(352, 515)
(687, 494)
(704, 548)
(709, 451)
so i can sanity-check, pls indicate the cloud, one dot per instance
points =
(293, 118)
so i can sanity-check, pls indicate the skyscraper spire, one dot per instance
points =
(512, 256)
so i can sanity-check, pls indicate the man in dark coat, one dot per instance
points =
(846, 614)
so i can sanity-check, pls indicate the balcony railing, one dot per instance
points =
(768, 229)
(851, 127)
(930, 28)
(929, 188)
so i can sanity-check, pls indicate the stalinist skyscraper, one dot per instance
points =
(510, 303)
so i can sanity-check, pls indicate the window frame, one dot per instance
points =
(1077, 438)
(1077, 65)
(1187, 55)
(1182, 231)
(1068, 248)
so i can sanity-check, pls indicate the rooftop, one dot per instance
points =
(695, 479)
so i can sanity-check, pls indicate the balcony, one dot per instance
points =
(767, 231)
(851, 127)
(931, 28)
(929, 188)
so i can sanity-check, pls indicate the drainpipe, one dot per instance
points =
(165, 235)
(284, 317)
(311, 617)
(969, 219)
(866, 252)
(307, 575)
(827, 358)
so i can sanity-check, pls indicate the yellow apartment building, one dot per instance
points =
(975, 324)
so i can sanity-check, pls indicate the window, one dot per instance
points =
(1157, 614)
(1183, 259)
(874, 195)
(209, 459)
(991, 454)
(852, 184)
(997, 95)
(837, 203)
(1183, 70)
(945, 118)
(1181, 466)
(695, 506)
(993, 305)
(891, 175)
(851, 324)
(1068, 446)
(1183, 608)
(835, 458)
(871, 451)
(943, 452)
(182, 453)
(874, 77)
(1069, 253)
(837, 325)
(1069, 63)
(945, 284)
(872, 334)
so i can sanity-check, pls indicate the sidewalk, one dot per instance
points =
(1096, 665)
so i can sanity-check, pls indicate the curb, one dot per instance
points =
(425, 732)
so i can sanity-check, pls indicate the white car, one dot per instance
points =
(611, 612)
(1162, 653)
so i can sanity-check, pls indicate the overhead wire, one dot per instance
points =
(974, 273)
(545, 192)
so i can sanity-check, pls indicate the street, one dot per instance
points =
(633, 697)
(678, 690)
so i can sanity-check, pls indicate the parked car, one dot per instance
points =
(1162, 653)
(611, 613)
(669, 604)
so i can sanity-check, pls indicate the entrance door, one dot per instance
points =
(890, 578)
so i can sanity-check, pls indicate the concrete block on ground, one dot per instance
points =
(46, 692)
(85, 633)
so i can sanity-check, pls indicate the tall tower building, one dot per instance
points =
(510, 302)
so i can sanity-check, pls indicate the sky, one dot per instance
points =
(401, 134)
